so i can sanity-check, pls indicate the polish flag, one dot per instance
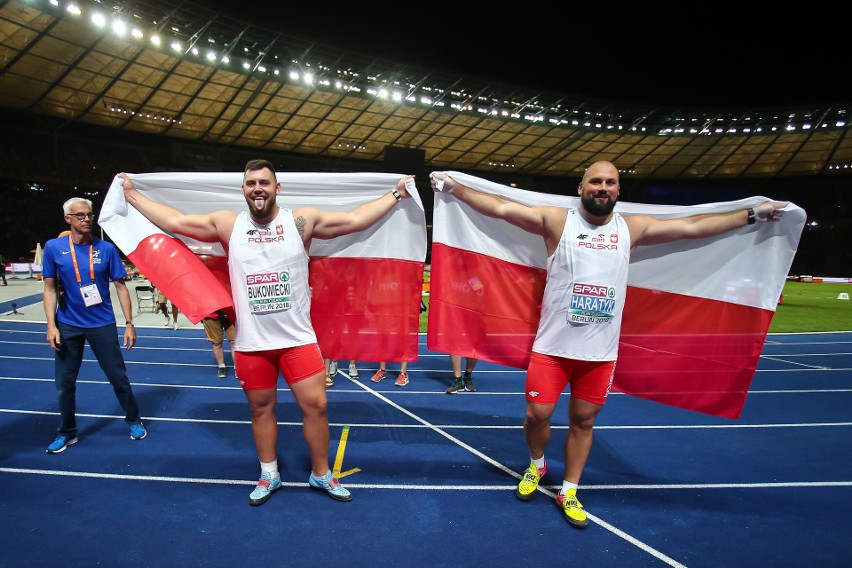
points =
(366, 286)
(696, 313)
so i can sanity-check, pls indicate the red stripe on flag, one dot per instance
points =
(367, 309)
(181, 276)
(684, 351)
(218, 266)
(483, 307)
(689, 352)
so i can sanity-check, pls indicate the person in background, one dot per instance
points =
(3, 270)
(276, 336)
(568, 348)
(217, 327)
(331, 371)
(401, 379)
(163, 306)
(77, 269)
(462, 383)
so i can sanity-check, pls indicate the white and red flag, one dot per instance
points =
(696, 315)
(366, 287)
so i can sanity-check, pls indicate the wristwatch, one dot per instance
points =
(751, 217)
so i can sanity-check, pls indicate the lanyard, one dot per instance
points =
(91, 261)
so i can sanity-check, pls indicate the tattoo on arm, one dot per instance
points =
(300, 226)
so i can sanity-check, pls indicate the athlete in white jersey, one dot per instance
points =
(268, 269)
(584, 294)
(268, 266)
(577, 340)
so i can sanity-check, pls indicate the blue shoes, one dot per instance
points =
(137, 432)
(330, 485)
(264, 489)
(60, 443)
(326, 483)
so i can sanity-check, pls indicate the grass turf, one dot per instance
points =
(813, 306)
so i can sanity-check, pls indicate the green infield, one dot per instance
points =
(813, 306)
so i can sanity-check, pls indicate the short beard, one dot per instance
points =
(595, 208)
(268, 208)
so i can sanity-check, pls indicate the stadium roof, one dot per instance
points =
(216, 79)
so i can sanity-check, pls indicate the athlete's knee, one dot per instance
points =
(538, 413)
(260, 402)
(317, 408)
(584, 418)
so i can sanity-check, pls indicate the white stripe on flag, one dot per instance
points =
(401, 234)
(747, 266)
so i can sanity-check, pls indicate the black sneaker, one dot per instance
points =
(468, 383)
(458, 385)
(222, 373)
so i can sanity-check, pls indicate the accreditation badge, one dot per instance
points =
(91, 295)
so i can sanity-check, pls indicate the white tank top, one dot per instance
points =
(268, 267)
(584, 295)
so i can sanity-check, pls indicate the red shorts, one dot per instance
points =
(547, 377)
(258, 370)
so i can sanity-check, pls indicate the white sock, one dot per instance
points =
(539, 463)
(271, 468)
(568, 485)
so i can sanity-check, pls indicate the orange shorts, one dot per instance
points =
(547, 377)
(258, 370)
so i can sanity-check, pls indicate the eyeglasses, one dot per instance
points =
(82, 216)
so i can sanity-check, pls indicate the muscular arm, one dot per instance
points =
(208, 228)
(313, 222)
(645, 230)
(544, 220)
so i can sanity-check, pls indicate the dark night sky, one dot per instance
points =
(622, 54)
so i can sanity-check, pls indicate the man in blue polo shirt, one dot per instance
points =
(77, 270)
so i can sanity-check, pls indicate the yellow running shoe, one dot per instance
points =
(572, 509)
(529, 483)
